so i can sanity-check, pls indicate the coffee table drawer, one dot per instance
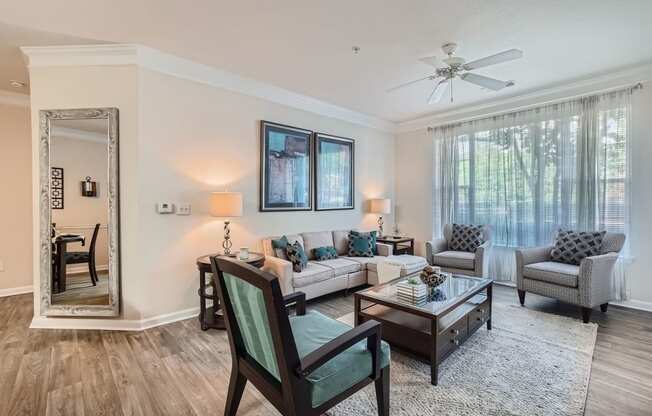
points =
(480, 314)
(449, 339)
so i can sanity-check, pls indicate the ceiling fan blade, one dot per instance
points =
(411, 82)
(486, 82)
(504, 56)
(430, 60)
(439, 91)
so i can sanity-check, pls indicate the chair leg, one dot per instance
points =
(604, 307)
(90, 271)
(521, 296)
(586, 314)
(382, 392)
(236, 388)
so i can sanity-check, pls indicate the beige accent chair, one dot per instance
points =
(587, 285)
(458, 262)
(326, 276)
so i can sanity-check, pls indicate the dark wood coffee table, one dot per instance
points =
(432, 330)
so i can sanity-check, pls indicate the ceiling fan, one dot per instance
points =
(457, 67)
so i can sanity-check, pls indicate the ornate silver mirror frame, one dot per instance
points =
(113, 306)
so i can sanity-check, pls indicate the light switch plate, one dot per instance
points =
(183, 209)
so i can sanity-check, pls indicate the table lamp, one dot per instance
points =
(226, 205)
(380, 206)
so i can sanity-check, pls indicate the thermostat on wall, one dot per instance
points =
(165, 208)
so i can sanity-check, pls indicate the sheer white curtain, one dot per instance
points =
(531, 172)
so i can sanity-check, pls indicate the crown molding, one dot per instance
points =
(155, 60)
(12, 98)
(555, 93)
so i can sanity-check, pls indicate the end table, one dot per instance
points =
(211, 317)
(400, 245)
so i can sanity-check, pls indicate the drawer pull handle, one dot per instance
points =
(481, 311)
(455, 341)
(455, 331)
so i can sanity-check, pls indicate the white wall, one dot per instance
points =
(95, 86)
(195, 139)
(16, 197)
(415, 193)
(180, 140)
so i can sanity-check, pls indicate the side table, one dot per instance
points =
(400, 245)
(211, 317)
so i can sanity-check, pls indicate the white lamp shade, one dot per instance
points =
(226, 204)
(380, 206)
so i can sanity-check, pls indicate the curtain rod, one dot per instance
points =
(637, 86)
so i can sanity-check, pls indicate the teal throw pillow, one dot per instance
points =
(280, 246)
(360, 245)
(374, 237)
(297, 255)
(325, 253)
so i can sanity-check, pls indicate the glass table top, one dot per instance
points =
(437, 300)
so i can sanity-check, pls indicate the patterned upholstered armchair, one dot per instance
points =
(303, 364)
(586, 285)
(444, 253)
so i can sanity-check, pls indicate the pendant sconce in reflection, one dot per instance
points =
(89, 187)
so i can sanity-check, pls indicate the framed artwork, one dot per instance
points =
(334, 172)
(56, 188)
(285, 168)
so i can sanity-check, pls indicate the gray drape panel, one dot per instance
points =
(531, 172)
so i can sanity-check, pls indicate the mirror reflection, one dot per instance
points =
(79, 174)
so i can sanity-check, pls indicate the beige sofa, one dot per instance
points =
(326, 276)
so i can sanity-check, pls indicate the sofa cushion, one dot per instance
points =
(411, 264)
(312, 273)
(374, 238)
(341, 265)
(280, 246)
(572, 247)
(316, 239)
(341, 241)
(325, 253)
(297, 256)
(553, 272)
(368, 263)
(455, 259)
(465, 237)
(311, 331)
(360, 245)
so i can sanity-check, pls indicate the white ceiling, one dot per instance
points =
(305, 45)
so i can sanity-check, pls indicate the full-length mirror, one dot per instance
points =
(79, 212)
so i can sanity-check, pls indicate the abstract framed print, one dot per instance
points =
(285, 168)
(334, 172)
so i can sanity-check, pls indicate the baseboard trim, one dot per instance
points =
(12, 291)
(44, 322)
(634, 304)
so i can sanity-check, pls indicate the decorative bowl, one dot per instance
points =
(432, 276)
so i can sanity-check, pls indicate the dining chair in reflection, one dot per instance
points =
(79, 257)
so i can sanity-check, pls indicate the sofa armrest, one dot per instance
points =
(435, 246)
(384, 249)
(594, 280)
(281, 269)
(525, 256)
(480, 256)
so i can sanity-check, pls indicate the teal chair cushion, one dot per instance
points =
(250, 313)
(313, 330)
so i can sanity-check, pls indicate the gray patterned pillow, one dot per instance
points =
(297, 255)
(466, 238)
(571, 247)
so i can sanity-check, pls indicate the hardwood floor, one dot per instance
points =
(177, 369)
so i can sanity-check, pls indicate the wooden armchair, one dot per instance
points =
(304, 364)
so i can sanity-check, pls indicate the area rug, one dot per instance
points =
(530, 363)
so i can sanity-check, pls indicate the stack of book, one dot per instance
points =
(412, 293)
